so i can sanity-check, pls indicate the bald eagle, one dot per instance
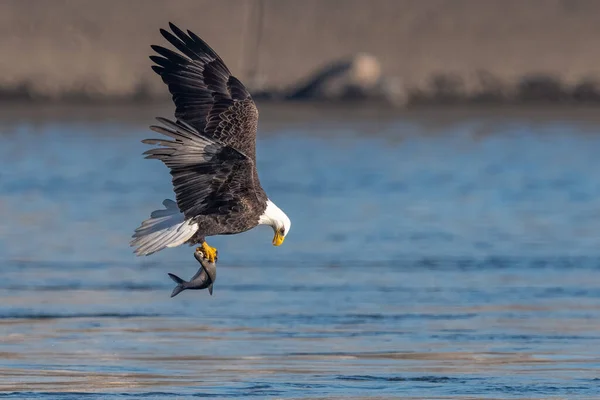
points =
(210, 151)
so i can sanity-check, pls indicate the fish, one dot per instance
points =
(204, 278)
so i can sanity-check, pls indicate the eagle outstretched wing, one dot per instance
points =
(205, 94)
(212, 156)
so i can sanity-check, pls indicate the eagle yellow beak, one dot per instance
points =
(278, 239)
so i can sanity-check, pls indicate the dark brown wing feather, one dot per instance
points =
(209, 178)
(205, 93)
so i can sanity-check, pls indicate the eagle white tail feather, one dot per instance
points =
(164, 228)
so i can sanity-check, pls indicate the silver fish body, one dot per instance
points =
(204, 278)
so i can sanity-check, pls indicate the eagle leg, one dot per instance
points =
(210, 253)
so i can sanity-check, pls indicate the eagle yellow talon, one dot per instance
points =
(210, 253)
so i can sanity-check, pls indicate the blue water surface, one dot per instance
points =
(431, 255)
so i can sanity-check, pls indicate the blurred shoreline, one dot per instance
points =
(406, 52)
(278, 115)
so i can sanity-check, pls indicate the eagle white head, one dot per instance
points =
(277, 219)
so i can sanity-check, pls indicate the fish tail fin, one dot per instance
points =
(180, 284)
(164, 228)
